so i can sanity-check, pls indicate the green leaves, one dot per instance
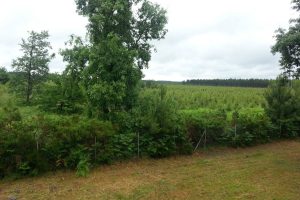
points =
(34, 62)
(120, 33)
(83, 167)
(76, 54)
(288, 45)
(149, 25)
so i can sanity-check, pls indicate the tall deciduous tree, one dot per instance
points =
(33, 64)
(120, 32)
(288, 45)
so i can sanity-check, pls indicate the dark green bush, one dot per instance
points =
(248, 127)
(52, 97)
(201, 120)
(124, 146)
(52, 142)
(253, 126)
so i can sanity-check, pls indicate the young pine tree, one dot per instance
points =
(283, 107)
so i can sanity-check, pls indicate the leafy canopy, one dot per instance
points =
(120, 34)
(288, 45)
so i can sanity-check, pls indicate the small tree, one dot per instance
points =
(3, 76)
(33, 65)
(283, 107)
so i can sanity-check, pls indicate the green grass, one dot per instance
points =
(269, 171)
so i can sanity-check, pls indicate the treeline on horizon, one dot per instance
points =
(261, 83)
(256, 83)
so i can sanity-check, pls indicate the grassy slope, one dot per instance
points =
(269, 171)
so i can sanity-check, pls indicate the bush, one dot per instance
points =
(52, 142)
(52, 97)
(198, 121)
(253, 126)
(124, 146)
(241, 128)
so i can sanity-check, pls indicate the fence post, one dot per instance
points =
(95, 148)
(138, 134)
(205, 138)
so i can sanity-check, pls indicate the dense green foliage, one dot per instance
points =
(70, 85)
(43, 143)
(119, 34)
(253, 126)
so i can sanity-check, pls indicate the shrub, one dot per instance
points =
(198, 121)
(124, 146)
(253, 126)
(50, 142)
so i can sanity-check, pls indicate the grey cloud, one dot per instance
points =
(230, 40)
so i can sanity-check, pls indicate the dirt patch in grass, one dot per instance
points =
(270, 171)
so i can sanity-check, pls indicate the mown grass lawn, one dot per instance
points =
(269, 171)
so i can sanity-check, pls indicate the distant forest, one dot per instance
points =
(230, 82)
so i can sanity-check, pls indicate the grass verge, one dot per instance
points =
(270, 171)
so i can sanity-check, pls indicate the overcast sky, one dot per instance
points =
(206, 39)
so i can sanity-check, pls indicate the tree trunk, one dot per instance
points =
(29, 78)
(29, 87)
